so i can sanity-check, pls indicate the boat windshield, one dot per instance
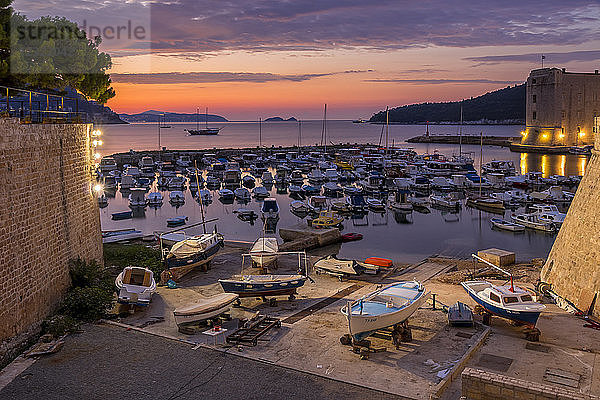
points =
(270, 206)
(510, 300)
(526, 297)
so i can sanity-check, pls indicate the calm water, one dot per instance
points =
(390, 235)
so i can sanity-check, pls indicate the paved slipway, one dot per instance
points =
(109, 362)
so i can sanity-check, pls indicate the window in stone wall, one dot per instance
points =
(563, 114)
(533, 81)
(534, 115)
(534, 99)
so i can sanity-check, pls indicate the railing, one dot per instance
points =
(41, 108)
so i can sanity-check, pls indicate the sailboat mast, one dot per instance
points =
(200, 197)
(325, 128)
(387, 127)
(260, 132)
(480, 163)
(460, 131)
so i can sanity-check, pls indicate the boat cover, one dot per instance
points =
(191, 246)
(207, 305)
(265, 245)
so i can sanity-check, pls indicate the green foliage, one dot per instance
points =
(503, 104)
(60, 325)
(92, 292)
(122, 256)
(87, 303)
(52, 53)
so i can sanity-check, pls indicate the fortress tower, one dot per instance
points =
(573, 265)
(563, 107)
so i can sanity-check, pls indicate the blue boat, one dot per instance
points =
(508, 301)
(177, 221)
(122, 215)
(263, 285)
(193, 252)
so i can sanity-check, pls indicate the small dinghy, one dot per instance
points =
(155, 199)
(351, 237)
(506, 225)
(338, 267)
(299, 207)
(242, 194)
(122, 215)
(176, 221)
(135, 286)
(460, 314)
(204, 309)
(245, 214)
(260, 192)
(264, 251)
(383, 308)
(176, 197)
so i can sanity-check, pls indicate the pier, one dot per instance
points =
(501, 141)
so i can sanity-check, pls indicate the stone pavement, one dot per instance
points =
(111, 362)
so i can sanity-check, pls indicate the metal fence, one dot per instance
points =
(40, 108)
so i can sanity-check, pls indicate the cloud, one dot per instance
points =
(443, 81)
(557, 58)
(219, 77)
(202, 26)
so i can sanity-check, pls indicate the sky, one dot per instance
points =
(249, 59)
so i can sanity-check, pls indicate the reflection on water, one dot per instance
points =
(553, 164)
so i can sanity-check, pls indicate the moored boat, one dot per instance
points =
(192, 252)
(506, 225)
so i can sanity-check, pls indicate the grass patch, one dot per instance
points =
(124, 255)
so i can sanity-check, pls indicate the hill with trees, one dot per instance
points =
(498, 107)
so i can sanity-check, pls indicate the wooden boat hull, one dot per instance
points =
(188, 315)
(179, 266)
(249, 288)
(361, 325)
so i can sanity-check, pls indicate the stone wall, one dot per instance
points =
(48, 217)
(483, 385)
(573, 265)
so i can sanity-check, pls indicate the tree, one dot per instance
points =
(53, 53)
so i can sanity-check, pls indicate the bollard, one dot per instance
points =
(433, 299)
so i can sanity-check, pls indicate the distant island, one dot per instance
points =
(504, 106)
(164, 116)
(279, 119)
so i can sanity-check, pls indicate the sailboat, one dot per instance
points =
(203, 131)
(267, 285)
(486, 203)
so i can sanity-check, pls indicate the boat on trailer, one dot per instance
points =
(383, 308)
(204, 309)
(264, 251)
(135, 286)
(192, 252)
(268, 284)
(506, 301)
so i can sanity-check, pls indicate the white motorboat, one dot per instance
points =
(264, 251)
(270, 208)
(318, 203)
(444, 201)
(533, 221)
(260, 192)
(375, 204)
(155, 199)
(242, 194)
(226, 195)
(267, 178)
(137, 197)
(204, 309)
(316, 176)
(248, 180)
(107, 164)
(176, 183)
(383, 308)
(127, 182)
(204, 195)
(135, 286)
(176, 197)
(549, 213)
(506, 225)
(299, 206)
(507, 301)
(331, 175)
